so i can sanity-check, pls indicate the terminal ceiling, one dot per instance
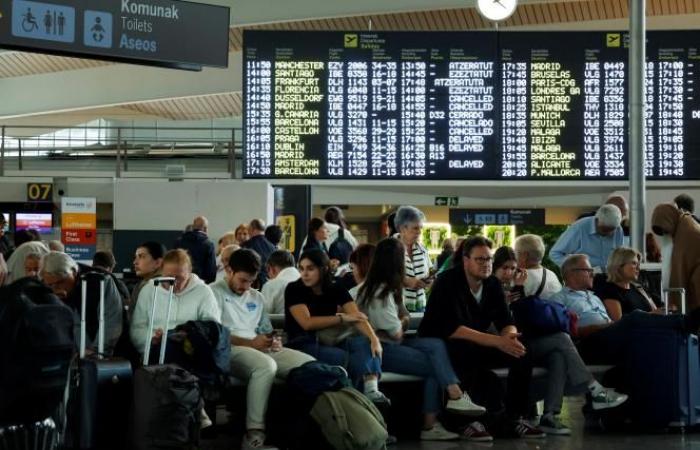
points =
(89, 89)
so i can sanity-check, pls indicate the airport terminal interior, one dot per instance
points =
(327, 132)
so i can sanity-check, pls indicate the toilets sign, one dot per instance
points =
(166, 33)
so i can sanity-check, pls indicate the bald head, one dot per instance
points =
(621, 203)
(200, 223)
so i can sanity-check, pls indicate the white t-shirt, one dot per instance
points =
(382, 314)
(273, 290)
(241, 314)
(534, 278)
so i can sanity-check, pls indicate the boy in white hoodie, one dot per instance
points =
(192, 300)
(256, 356)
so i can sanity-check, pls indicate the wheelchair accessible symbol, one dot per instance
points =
(44, 21)
(97, 30)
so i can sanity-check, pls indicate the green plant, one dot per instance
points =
(429, 240)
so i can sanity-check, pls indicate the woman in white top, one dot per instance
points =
(380, 298)
(409, 223)
(529, 251)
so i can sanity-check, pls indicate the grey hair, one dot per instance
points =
(407, 215)
(571, 262)
(33, 255)
(609, 216)
(531, 244)
(58, 264)
(56, 246)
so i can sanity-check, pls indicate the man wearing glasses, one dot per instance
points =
(603, 341)
(465, 301)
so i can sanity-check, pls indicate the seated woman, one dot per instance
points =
(379, 296)
(314, 303)
(621, 294)
(556, 352)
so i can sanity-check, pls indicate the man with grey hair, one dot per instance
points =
(200, 249)
(529, 251)
(594, 236)
(62, 274)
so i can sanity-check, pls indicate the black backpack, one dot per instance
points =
(340, 248)
(36, 331)
(314, 378)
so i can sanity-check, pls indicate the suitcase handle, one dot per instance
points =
(163, 340)
(665, 293)
(101, 278)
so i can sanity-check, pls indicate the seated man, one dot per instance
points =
(465, 301)
(148, 262)
(192, 300)
(594, 236)
(280, 272)
(256, 356)
(529, 251)
(62, 274)
(602, 340)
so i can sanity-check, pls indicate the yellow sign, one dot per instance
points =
(613, 40)
(288, 225)
(351, 41)
(85, 221)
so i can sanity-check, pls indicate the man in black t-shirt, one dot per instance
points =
(465, 301)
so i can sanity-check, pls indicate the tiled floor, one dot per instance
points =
(580, 439)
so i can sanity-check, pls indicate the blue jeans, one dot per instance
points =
(426, 357)
(353, 353)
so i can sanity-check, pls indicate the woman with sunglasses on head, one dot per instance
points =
(621, 293)
(314, 303)
(556, 352)
(379, 295)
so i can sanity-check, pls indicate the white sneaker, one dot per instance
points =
(255, 440)
(204, 420)
(438, 433)
(378, 398)
(465, 406)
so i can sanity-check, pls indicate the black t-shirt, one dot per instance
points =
(630, 299)
(451, 305)
(325, 304)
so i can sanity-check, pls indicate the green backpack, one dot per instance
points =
(350, 421)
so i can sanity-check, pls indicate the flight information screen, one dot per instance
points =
(464, 105)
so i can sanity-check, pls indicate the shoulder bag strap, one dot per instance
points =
(544, 280)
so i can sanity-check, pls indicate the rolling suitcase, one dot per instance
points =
(103, 387)
(167, 398)
(663, 376)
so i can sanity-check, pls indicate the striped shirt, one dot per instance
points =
(417, 266)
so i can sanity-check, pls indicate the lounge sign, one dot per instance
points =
(166, 33)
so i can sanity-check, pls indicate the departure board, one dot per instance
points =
(464, 105)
